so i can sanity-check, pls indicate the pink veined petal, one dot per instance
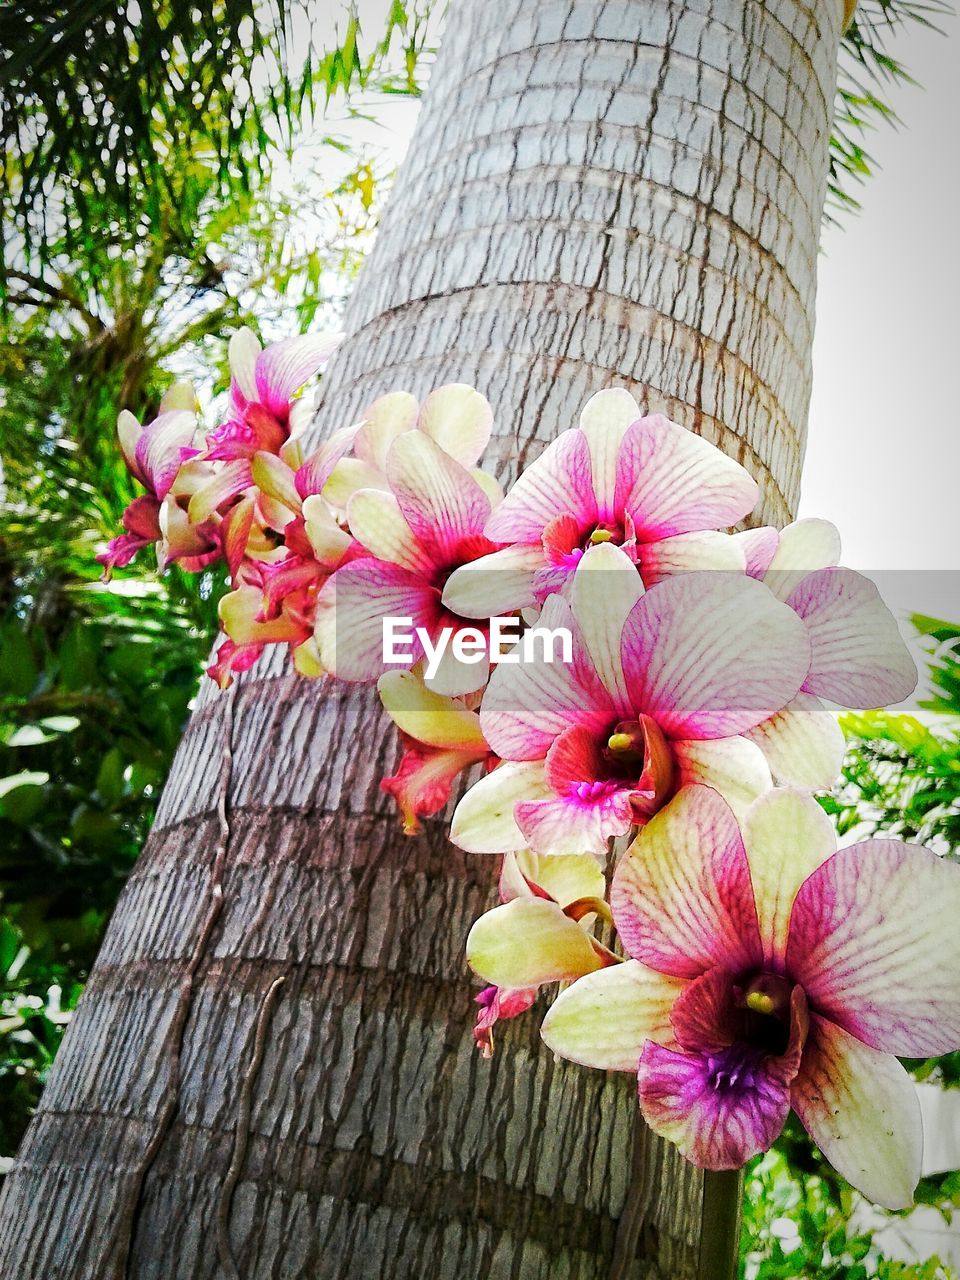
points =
(159, 448)
(316, 470)
(570, 824)
(787, 836)
(687, 552)
(802, 547)
(859, 658)
(440, 501)
(735, 767)
(606, 586)
(494, 585)
(672, 482)
(605, 1018)
(528, 704)
(604, 421)
(710, 655)
(558, 483)
(682, 897)
(388, 417)
(351, 608)
(458, 419)
(714, 1127)
(225, 484)
(483, 821)
(874, 942)
(283, 367)
(376, 521)
(803, 743)
(759, 546)
(128, 433)
(243, 351)
(861, 1109)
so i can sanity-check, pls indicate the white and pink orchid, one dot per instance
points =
(770, 971)
(662, 687)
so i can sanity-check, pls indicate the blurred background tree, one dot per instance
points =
(173, 172)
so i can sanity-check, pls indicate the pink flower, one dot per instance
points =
(417, 531)
(641, 483)
(771, 971)
(263, 384)
(662, 686)
(541, 934)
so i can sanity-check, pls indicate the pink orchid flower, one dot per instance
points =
(662, 687)
(155, 454)
(641, 483)
(770, 971)
(858, 657)
(262, 411)
(541, 934)
(427, 522)
(441, 737)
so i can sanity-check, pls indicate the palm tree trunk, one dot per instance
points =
(271, 1072)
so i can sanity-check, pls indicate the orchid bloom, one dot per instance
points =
(542, 933)
(440, 736)
(644, 484)
(858, 658)
(155, 454)
(416, 532)
(770, 971)
(262, 412)
(662, 686)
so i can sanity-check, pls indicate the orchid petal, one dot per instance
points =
(351, 609)
(528, 704)
(158, 451)
(803, 743)
(714, 1128)
(527, 942)
(314, 472)
(349, 475)
(710, 655)
(376, 521)
(557, 483)
(427, 716)
(605, 1019)
(687, 552)
(735, 767)
(875, 944)
(242, 353)
(804, 546)
(275, 479)
(283, 367)
(179, 395)
(566, 824)
(606, 586)
(759, 546)
(566, 878)
(454, 677)
(129, 431)
(787, 836)
(458, 419)
(682, 897)
(494, 585)
(483, 821)
(861, 1109)
(328, 541)
(440, 501)
(859, 658)
(604, 422)
(674, 482)
(388, 417)
(224, 485)
(490, 485)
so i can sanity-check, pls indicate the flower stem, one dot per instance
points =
(720, 1231)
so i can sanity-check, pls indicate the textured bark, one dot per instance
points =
(598, 193)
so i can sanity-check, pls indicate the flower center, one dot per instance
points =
(762, 1008)
(638, 753)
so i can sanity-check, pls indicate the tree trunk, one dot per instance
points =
(271, 1073)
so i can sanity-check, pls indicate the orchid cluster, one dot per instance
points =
(650, 790)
